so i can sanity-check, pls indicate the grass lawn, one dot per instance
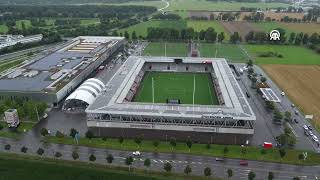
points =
(7, 65)
(23, 127)
(17, 167)
(203, 25)
(269, 26)
(231, 52)
(189, 88)
(253, 153)
(291, 54)
(3, 29)
(88, 22)
(141, 28)
(172, 49)
(27, 24)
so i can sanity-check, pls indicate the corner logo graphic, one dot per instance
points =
(275, 35)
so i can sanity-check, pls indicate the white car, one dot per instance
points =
(305, 127)
(136, 153)
(315, 138)
(283, 93)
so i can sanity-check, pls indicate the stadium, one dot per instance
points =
(173, 97)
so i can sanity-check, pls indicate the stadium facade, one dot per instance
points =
(113, 112)
(51, 77)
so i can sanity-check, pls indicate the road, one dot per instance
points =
(179, 161)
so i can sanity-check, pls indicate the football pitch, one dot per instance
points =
(189, 88)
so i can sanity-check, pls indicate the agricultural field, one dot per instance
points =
(290, 54)
(302, 27)
(242, 27)
(189, 88)
(231, 52)
(172, 49)
(88, 22)
(269, 26)
(301, 83)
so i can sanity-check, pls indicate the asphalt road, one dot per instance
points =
(178, 161)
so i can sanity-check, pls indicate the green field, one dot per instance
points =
(269, 26)
(231, 52)
(88, 22)
(166, 49)
(189, 88)
(205, 5)
(203, 25)
(291, 54)
(27, 24)
(23, 127)
(20, 167)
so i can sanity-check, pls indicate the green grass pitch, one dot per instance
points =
(190, 88)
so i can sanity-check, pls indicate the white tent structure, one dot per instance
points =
(84, 95)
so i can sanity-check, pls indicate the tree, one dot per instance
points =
(221, 37)
(230, 173)
(288, 116)
(300, 157)
(73, 132)
(121, 140)
(24, 149)
(292, 37)
(137, 140)
(251, 175)
(253, 82)
(44, 132)
(75, 155)
(126, 35)
(189, 144)
(89, 134)
(155, 144)
(263, 151)
(225, 150)
(173, 143)
(134, 35)
(263, 79)
(147, 163)
(282, 153)
(129, 161)
(167, 167)
(207, 171)
(210, 35)
(208, 146)
(57, 154)
(277, 115)
(92, 158)
(270, 105)
(250, 63)
(109, 158)
(7, 147)
(270, 176)
(296, 178)
(59, 134)
(187, 170)
(235, 37)
(40, 151)
(305, 39)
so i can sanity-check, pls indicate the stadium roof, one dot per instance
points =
(111, 100)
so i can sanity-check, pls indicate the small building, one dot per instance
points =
(11, 117)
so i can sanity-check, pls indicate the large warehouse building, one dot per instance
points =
(52, 77)
(116, 112)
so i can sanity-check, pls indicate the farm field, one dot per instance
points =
(242, 27)
(291, 54)
(269, 26)
(172, 49)
(229, 51)
(189, 88)
(302, 27)
(301, 83)
(87, 22)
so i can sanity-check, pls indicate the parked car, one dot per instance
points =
(248, 95)
(315, 138)
(310, 133)
(295, 120)
(309, 127)
(296, 112)
(305, 127)
(292, 105)
(306, 133)
(244, 163)
(136, 153)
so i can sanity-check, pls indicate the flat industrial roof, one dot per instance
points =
(111, 100)
(41, 72)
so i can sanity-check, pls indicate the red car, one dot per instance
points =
(244, 163)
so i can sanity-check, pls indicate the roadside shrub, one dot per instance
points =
(40, 151)
(7, 147)
(57, 154)
(59, 134)
(24, 149)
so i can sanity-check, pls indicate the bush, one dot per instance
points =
(24, 149)
(57, 154)
(7, 147)
(44, 132)
(75, 155)
(1, 127)
(92, 157)
(104, 139)
(59, 134)
(40, 151)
